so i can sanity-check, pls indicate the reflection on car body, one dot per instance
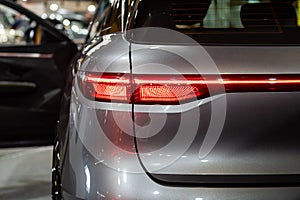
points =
(183, 100)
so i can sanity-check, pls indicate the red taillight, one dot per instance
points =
(167, 89)
(175, 89)
(142, 89)
(105, 87)
(148, 93)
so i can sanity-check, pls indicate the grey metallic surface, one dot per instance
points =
(108, 183)
(95, 167)
(260, 135)
(227, 59)
(92, 129)
(109, 55)
(260, 129)
(251, 141)
(256, 59)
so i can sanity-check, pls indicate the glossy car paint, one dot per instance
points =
(103, 152)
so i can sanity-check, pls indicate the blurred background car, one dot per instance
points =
(73, 24)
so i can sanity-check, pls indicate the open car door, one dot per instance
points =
(33, 59)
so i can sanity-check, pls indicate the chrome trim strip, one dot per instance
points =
(26, 55)
(17, 84)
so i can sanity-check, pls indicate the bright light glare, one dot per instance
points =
(75, 28)
(85, 31)
(59, 17)
(156, 192)
(88, 179)
(44, 15)
(54, 7)
(12, 32)
(52, 16)
(66, 22)
(124, 177)
(91, 8)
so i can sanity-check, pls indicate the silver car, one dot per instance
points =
(183, 99)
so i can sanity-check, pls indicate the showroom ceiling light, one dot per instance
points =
(91, 8)
(54, 7)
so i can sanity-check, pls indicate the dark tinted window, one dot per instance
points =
(107, 19)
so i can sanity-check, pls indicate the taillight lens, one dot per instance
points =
(105, 87)
(175, 89)
(167, 89)
(142, 89)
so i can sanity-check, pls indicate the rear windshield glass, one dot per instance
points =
(223, 21)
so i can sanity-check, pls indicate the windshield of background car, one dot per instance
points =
(223, 21)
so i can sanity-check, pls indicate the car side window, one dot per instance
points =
(18, 29)
(108, 18)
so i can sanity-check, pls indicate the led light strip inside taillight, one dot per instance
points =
(175, 89)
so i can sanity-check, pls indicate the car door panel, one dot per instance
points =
(31, 81)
